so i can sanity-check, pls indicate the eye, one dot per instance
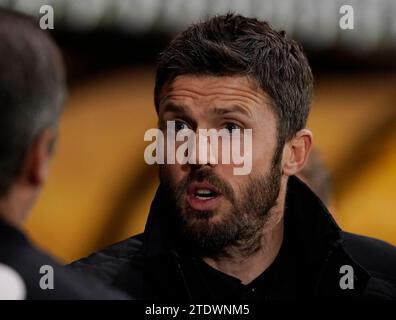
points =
(180, 125)
(231, 126)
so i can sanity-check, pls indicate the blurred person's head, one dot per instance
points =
(317, 176)
(32, 90)
(234, 72)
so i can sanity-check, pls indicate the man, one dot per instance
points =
(32, 91)
(212, 234)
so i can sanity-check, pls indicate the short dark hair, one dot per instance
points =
(32, 89)
(232, 45)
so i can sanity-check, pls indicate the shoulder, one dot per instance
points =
(45, 278)
(376, 256)
(108, 263)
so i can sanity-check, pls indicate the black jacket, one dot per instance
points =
(155, 264)
(24, 262)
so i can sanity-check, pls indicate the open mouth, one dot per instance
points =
(203, 196)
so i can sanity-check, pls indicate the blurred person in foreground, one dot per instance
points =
(32, 92)
(213, 235)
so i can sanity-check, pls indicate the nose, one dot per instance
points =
(196, 167)
(204, 152)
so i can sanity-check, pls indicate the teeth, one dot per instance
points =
(203, 198)
(203, 191)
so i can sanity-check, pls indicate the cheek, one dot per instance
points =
(226, 174)
(263, 152)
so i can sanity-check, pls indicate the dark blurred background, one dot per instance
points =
(100, 189)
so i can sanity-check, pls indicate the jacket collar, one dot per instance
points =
(309, 226)
(306, 215)
(11, 235)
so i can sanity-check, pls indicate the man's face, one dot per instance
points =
(217, 208)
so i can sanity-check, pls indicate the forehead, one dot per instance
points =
(202, 92)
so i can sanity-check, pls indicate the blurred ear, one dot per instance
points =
(296, 152)
(37, 160)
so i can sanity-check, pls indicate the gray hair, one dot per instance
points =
(32, 90)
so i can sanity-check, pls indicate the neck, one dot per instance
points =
(15, 206)
(7, 215)
(247, 268)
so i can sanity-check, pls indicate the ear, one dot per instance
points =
(296, 152)
(38, 158)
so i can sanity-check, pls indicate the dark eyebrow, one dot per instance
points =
(171, 107)
(232, 109)
(179, 111)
